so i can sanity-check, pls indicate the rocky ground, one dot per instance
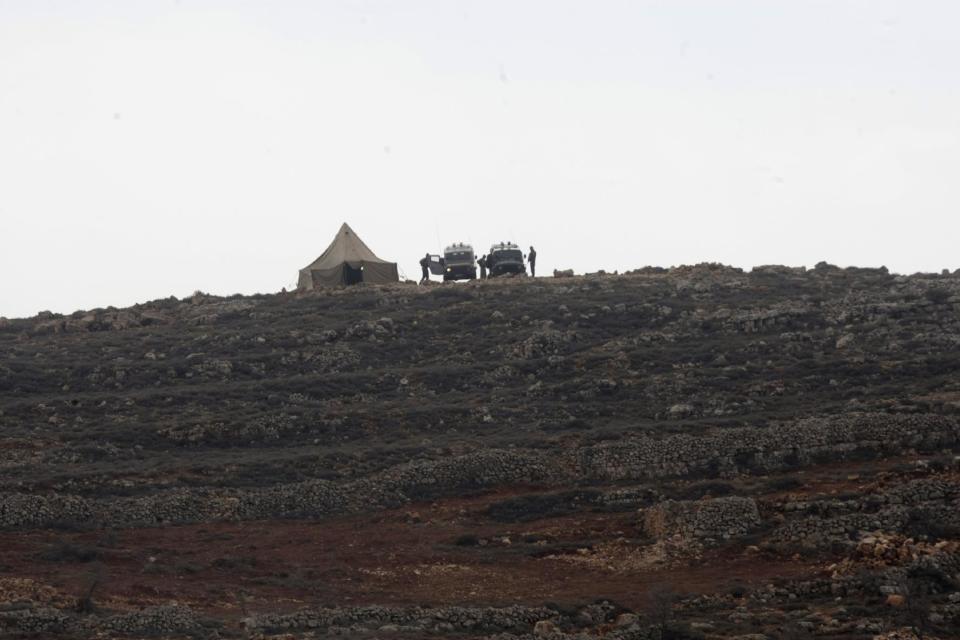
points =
(698, 452)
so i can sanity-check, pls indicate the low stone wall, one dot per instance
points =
(503, 623)
(822, 523)
(32, 620)
(705, 520)
(730, 451)
(35, 510)
(778, 447)
(152, 621)
(412, 619)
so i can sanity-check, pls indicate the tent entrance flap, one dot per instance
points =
(351, 275)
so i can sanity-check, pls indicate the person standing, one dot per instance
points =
(532, 259)
(425, 269)
(482, 263)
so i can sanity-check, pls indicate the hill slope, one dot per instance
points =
(700, 450)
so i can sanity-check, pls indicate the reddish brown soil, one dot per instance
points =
(399, 557)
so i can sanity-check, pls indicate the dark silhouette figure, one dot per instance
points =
(532, 259)
(491, 261)
(482, 263)
(425, 269)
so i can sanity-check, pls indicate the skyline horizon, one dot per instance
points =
(545, 274)
(152, 149)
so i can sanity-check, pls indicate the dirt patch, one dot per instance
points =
(401, 557)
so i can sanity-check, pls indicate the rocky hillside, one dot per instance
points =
(698, 452)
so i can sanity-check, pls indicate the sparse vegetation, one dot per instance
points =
(467, 540)
(91, 581)
(69, 552)
(407, 447)
(937, 295)
(534, 507)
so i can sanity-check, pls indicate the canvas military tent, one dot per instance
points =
(347, 261)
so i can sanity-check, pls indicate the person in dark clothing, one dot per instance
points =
(425, 269)
(482, 263)
(490, 262)
(532, 259)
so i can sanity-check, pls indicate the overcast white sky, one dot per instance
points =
(153, 148)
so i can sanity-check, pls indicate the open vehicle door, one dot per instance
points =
(436, 265)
